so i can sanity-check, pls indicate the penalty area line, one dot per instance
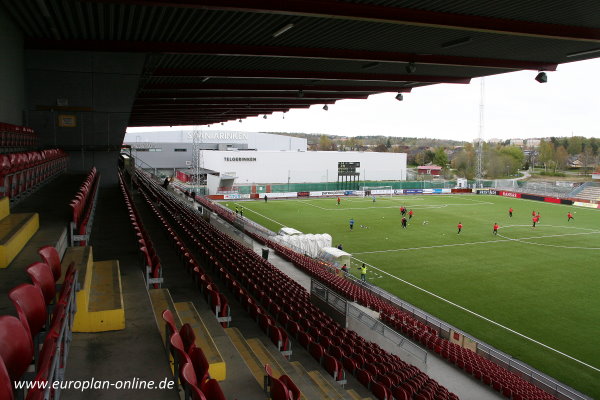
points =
(482, 317)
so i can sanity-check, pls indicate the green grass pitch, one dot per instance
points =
(542, 282)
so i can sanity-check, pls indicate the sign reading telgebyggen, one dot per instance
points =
(240, 158)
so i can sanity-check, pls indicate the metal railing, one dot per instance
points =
(374, 325)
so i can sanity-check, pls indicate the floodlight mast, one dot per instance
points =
(197, 157)
(479, 161)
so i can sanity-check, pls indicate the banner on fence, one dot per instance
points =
(275, 195)
(509, 194)
(182, 176)
(456, 337)
(587, 205)
(485, 191)
(236, 196)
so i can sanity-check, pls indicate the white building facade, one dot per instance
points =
(299, 167)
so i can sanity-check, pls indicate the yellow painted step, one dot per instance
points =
(4, 207)
(250, 359)
(106, 310)
(83, 260)
(15, 232)
(355, 396)
(324, 387)
(161, 300)
(188, 314)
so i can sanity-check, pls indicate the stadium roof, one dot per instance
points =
(218, 60)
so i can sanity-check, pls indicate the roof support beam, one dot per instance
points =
(274, 88)
(320, 75)
(283, 52)
(386, 14)
(248, 102)
(250, 95)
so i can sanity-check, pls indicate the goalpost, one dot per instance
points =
(377, 191)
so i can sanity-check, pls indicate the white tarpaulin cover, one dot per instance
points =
(308, 244)
(289, 231)
(335, 256)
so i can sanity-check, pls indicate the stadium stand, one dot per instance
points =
(261, 286)
(23, 173)
(282, 388)
(505, 382)
(216, 299)
(14, 138)
(589, 191)
(148, 258)
(83, 208)
(37, 336)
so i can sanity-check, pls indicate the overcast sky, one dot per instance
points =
(516, 106)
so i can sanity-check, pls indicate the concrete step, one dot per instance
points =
(188, 314)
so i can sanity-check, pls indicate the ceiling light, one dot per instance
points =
(370, 65)
(205, 79)
(456, 43)
(411, 67)
(283, 30)
(325, 107)
(583, 53)
(399, 97)
(542, 77)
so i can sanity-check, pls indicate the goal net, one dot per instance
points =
(377, 191)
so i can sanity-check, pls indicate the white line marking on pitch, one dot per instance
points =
(504, 239)
(482, 317)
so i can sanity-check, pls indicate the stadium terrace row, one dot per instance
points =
(83, 206)
(216, 299)
(149, 258)
(265, 292)
(22, 173)
(506, 382)
(190, 364)
(15, 136)
(43, 318)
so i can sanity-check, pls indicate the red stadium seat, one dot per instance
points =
(212, 390)
(50, 256)
(188, 380)
(188, 337)
(200, 364)
(16, 348)
(31, 308)
(41, 276)
(294, 392)
(6, 385)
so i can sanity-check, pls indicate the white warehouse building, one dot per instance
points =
(254, 157)
(299, 167)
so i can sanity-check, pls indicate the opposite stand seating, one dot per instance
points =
(23, 173)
